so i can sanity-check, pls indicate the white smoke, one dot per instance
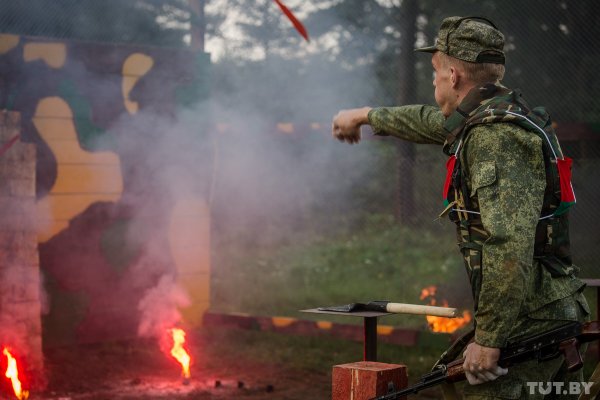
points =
(159, 308)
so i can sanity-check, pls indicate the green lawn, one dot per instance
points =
(379, 260)
(320, 354)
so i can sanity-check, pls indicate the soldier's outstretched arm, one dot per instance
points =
(414, 123)
(346, 124)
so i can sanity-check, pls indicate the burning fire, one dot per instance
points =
(12, 372)
(441, 324)
(179, 353)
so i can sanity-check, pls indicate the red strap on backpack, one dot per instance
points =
(567, 195)
(449, 170)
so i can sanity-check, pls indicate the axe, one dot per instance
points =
(396, 308)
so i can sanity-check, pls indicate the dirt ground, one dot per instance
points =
(222, 368)
(138, 370)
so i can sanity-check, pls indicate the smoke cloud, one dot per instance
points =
(159, 308)
(264, 182)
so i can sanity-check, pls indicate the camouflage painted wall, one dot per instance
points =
(109, 230)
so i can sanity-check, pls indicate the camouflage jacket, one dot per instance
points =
(509, 200)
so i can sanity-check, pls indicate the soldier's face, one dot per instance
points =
(442, 83)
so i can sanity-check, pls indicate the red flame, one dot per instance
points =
(179, 353)
(441, 324)
(12, 372)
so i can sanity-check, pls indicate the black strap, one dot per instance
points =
(490, 58)
(470, 245)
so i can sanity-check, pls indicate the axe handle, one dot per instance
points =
(400, 308)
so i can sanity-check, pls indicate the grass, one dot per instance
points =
(316, 354)
(381, 261)
(378, 260)
(320, 354)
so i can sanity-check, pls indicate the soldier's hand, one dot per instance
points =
(481, 364)
(346, 124)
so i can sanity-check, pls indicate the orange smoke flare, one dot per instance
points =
(441, 324)
(12, 372)
(428, 291)
(179, 353)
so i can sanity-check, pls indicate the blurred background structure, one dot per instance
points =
(232, 155)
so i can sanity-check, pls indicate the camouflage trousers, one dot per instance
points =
(532, 379)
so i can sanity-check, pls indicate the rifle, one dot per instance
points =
(564, 340)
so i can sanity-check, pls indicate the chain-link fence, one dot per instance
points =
(551, 55)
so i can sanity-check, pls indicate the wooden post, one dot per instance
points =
(370, 332)
(20, 293)
(365, 380)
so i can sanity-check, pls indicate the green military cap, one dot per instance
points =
(473, 39)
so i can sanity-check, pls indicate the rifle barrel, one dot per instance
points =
(546, 345)
(431, 379)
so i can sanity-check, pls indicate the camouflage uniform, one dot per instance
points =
(504, 176)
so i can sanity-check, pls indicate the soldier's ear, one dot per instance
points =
(454, 77)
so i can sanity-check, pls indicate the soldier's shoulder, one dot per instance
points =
(502, 136)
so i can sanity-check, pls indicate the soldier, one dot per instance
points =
(503, 190)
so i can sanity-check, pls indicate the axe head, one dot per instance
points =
(378, 306)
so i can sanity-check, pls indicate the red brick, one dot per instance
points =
(366, 379)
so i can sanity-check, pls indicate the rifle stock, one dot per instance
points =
(455, 371)
(564, 340)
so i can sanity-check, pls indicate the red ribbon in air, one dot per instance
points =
(297, 24)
